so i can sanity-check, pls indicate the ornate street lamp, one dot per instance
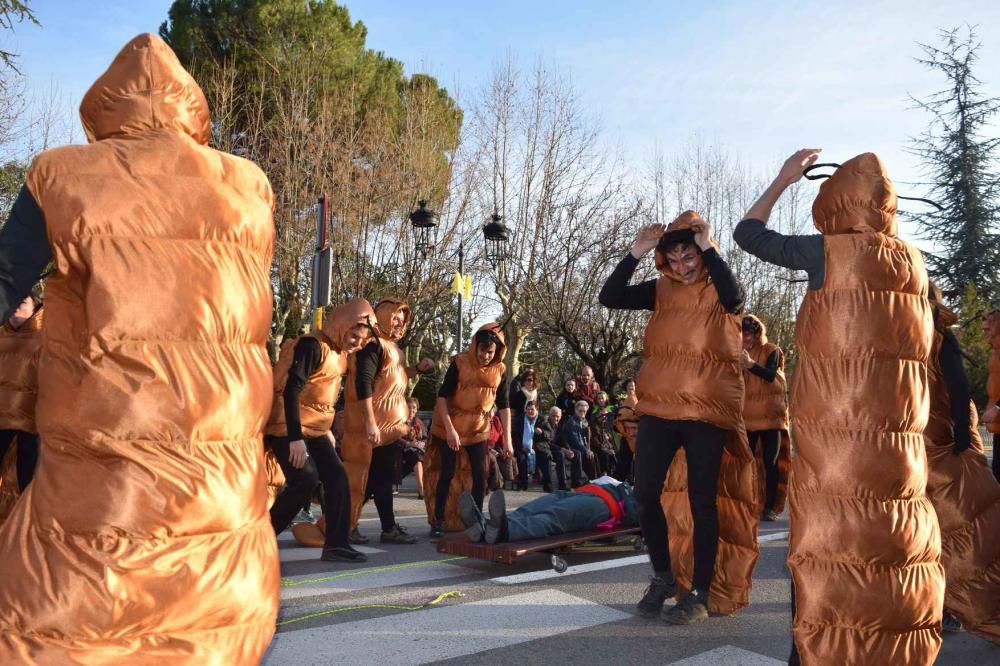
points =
(495, 237)
(424, 221)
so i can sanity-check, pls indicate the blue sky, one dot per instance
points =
(762, 78)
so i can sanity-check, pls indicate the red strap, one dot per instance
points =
(617, 514)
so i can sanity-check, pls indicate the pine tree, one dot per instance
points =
(961, 163)
(977, 349)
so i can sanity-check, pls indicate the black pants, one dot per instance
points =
(575, 467)
(623, 470)
(322, 466)
(381, 474)
(657, 443)
(770, 440)
(607, 461)
(543, 463)
(411, 456)
(449, 458)
(27, 454)
(996, 456)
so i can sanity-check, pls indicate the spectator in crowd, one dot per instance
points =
(525, 428)
(628, 396)
(501, 463)
(565, 400)
(545, 430)
(414, 442)
(574, 435)
(523, 389)
(586, 387)
(602, 435)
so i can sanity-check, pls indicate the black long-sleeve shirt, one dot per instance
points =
(366, 364)
(617, 293)
(24, 252)
(307, 359)
(957, 383)
(769, 371)
(799, 253)
(450, 385)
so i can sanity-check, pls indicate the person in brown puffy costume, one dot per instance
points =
(20, 347)
(143, 537)
(306, 387)
(991, 415)
(375, 418)
(961, 487)
(865, 547)
(474, 383)
(765, 412)
(690, 391)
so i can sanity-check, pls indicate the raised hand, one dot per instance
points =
(646, 239)
(703, 234)
(791, 170)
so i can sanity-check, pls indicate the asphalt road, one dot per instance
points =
(378, 612)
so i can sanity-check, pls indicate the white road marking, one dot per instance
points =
(442, 632)
(727, 655)
(533, 576)
(777, 536)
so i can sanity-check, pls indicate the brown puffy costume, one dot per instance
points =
(469, 409)
(692, 371)
(966, 498)
(318, 398)
(388, 403)
(144, 536)
(19, 351)
(766, 408)
(865, 547)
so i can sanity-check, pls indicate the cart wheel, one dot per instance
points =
(639, 545)
(559, 564)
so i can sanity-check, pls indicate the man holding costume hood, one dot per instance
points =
(306, 387)
(143, 537)
(375, 418)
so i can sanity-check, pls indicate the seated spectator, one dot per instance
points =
(573, 442)
(414, 442)
(501, 471)
(523, 433)
(628, 396)
(565, 400)
(545, 430)
(602, 435)
(586, 388)
(604, 504)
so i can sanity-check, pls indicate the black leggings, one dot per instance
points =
(996, 456)
(449, 458)
(770, 440)
(381, 474)
(657, 443)
(27, 454)
(322, 466)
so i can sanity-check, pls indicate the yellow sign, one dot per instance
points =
(318, 325)
(468, 287)
(456, 283)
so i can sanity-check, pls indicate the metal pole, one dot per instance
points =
(461, 272)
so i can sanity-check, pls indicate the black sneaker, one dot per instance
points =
(498, 515)
(472, 518)
(769, 516)
(690, 609)
(343, 554)
(397, 534)
(437, 530)
(659, 591)
(357, 537)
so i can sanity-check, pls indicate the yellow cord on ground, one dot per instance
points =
(285, 582)
(438, 599)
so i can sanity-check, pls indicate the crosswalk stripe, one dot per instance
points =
(728, 655)
(311, 585)
(777, 536)
(443, 632)
(533, 576)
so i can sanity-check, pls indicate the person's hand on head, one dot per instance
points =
(702, 234)
(646, 239)
(791, 170)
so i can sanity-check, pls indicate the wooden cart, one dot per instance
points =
(555, 547)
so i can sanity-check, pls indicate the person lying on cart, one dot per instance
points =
(605, 503)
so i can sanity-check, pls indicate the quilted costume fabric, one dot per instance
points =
(469, 409)
(691, 371)
(388, 403)
(19, 352)
(766, 408)
(966, 498)
(865, 547)
(153, 393)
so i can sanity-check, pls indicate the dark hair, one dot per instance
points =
(676, 238)
(751, 325)
(531, 403)
(486, 338)
(529, 372)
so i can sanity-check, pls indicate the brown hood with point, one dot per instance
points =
(384, 312)
(858, 198)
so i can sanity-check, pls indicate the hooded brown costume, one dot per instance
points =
(318, 398)
(692, 371)
(966, 498)
(19, 351)
(144, 536)
(766, 408)
(388, 403)
(469, 409)
(865, 548)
